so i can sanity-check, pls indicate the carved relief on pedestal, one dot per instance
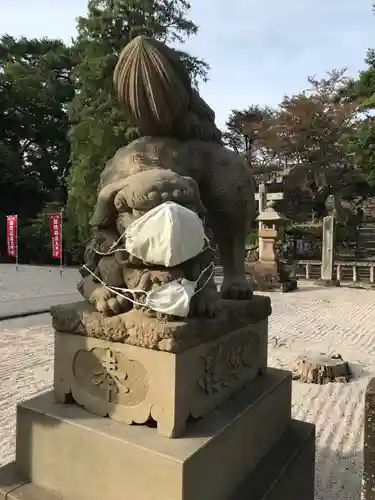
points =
(109, 376)
(228, 363)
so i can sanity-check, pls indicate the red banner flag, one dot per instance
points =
(55, 221)
(12, 235)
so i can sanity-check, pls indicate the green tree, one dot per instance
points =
(99, 126)
(361, 148)
(361, 145)
(35, 87)
(362, 88)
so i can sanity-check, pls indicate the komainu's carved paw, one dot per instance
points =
(205, 303)
(236, 289)
(109, 303)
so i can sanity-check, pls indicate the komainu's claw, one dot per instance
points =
(237, 290)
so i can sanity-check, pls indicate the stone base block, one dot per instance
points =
(270, 276)
(10, 480)
(12, 487)
(287, 472)
(134, 384)
(78, 456)
(323, 282)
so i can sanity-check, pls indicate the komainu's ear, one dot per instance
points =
(105, 211)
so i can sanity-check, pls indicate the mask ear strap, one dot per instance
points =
(212, 266)
(113, 248)
(115, 288)
(208, 246)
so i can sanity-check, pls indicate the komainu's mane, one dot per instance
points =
(155, 88)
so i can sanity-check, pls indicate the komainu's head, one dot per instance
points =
(122, 202)
(146, 190)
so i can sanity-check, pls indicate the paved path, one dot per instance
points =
(35, 281)
(26, 368)
(34, 289)
(29, 306)
(320, 319)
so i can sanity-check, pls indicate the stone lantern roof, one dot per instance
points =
(271, 215)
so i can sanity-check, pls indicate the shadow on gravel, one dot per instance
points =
(338, 475)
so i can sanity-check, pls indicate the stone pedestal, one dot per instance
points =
(268, 235)
(230, 414)
(132, 384)
(270, 276)
(327, 283)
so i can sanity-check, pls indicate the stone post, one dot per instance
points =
(328, 251)
(262, 205)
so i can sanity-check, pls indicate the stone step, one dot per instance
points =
(59, 446)
(289, 468)
(286, 472)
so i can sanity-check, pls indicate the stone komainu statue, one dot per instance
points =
(179, 157)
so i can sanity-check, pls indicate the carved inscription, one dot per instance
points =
(229, 362)
(111, 377)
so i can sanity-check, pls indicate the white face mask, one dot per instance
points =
(172, 298)
(167, 235)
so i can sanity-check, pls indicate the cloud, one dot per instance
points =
(258, 51)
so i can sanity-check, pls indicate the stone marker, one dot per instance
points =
(154, 406)
(328, 251)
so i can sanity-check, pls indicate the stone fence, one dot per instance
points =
(356, 272)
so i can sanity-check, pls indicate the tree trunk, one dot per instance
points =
(322, 369)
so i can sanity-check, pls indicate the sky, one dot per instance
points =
(258, 50)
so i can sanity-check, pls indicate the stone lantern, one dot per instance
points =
(268, 273)
(271, 221)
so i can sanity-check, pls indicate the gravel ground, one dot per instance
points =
(324, 319)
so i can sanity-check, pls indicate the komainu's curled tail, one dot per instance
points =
(155, 88)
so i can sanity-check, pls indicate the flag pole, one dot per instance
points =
(17, 266)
